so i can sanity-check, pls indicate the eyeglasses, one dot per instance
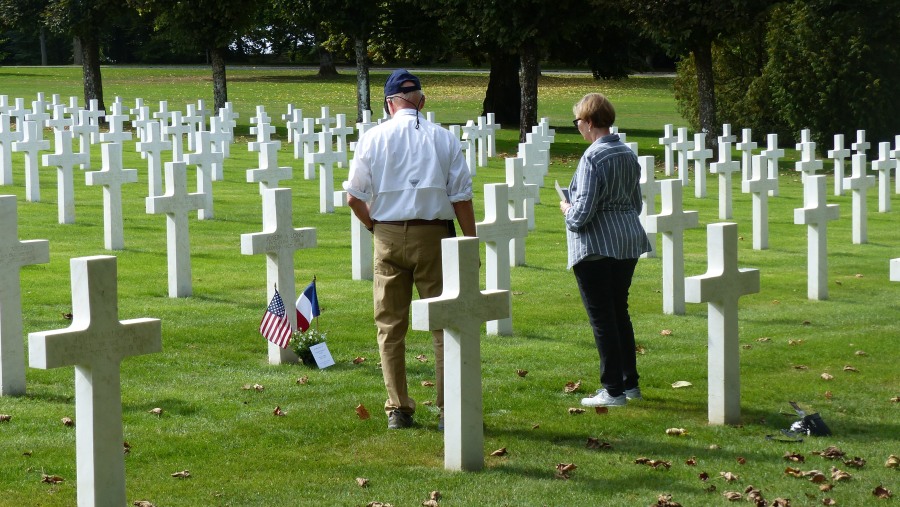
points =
(575, 122)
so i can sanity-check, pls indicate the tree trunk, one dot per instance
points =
(220, 85)
(326, 63)
(90, 69)
(43, 40)
(706, 93)
(77, 52)
(360, 46)
(528, 56)
(503, 96)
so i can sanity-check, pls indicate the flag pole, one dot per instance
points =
(317, 298)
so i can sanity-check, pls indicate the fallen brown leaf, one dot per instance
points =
(500, 452)
(428, 403)
(838, 475)
(692, 461)
(764, 339)
(666, 332)
(563, 470)
(665, 500)
(892, 462)
(796, 472)
(601, 410)
(361, 412)
(703, 476)
(830, 452)
(5, 417)
(126, 447)
(781, 502)
(27, 453)
(357, 360)
(824, 488)
(184, 474)
(795, 457)
(156, 411)
(278, 411)
(858, 275)
(422, 358)
(575, 411)
(434, 495)
(801, 367)
(855, 462)
(895, 399)
(639, 349)
(681, 383)
(521, 372)
(676, 432)
(828, 395)
(746, 346)
(571, 387)
(535, 426)
(67, 316)
(379, 504)
(741, 460)
(596, 443)
(253, 387)
(882, 492)
(427, 383)
(67, 421)
(142, 503)
(828, 501)
(302, 381)
(795, 342)
(733, 496)
(430, 503)
(711, 488)
(362, 482)
(51, 479)
(861, 353)
(713, 447)
(728, 476)
(817, 478)
(850, 368)
(827, 376)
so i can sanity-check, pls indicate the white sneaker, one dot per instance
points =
(603, 399)
(633, 394)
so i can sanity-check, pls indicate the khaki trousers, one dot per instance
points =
(405, 255)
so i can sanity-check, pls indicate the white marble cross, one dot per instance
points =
(96, 343)
(116, 121)
(92, 118)
(7, 137)
(307, 140)
(195, 123)
(228, 117)
(153, 146)
(858, 184)
(746, 147)
(364, 126)
(808, 164)
(721, 287)
(269, 174)
(263, 131)
(838, 154)
(219, 141)
(288, 117)
(326, 120)
(204, 159)
(884, 165)
(32, 143)
(772, 154)
(759, 185)
(468, 148)
(64, 159)
(429, 115)
(534, 168)
(650, 188)
(483, 142)
(140, 124)
(176, 203)
(341, 130)
(497, 232)
(60, 121)
(895, 153)
(683, 146)
(521, 205)
(725, 167)
(13, 255)
(667, 140)
(815, 214)
(294, 129)
(861, 145)
(86, 132)
(177, 129)
(325, 158)
(362, 263)
(112, 177)
(671, 221)
(492, 127)
(470, 138)
(459, 311)
(18, 113)
(278, 241)
(700, 154)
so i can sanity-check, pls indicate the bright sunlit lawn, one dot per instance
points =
(240, 454)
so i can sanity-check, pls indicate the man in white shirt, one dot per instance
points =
(408, 180)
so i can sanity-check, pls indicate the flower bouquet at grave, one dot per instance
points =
(301, 341)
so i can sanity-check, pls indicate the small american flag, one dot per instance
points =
(275, 327)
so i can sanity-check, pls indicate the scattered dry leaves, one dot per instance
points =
(427, 383)
(847, 367)
(828, 395)
(855, 462)
(564, 469)
(376, 503)
(781, 502)
(830, 452)
(655, 463)
(796, 472)
(184, 474)
(520, 372)
(302, 381)
(816, 476)
(500, 452)
(676, 432)
(5, 417)
(358, 360)
(733, 496)
(51, 479)
(665, 500)
(640, 349)
(571, 387)
(681, 383)
(126, 447)
(575, 410)
(838, 475)
(882, 492)
(892, 462)
(824, 488)
(764, 339)
(142, 503)
(156, 411)
(278, 411)
(795, 457)
(754, 495)
(827, 376)
(422, 358)
(362, 482)
(728, 476)
(361, 412)
(595, 443)
(67, 421)
(665, 332)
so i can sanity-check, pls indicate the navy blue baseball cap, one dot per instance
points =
(394, 83)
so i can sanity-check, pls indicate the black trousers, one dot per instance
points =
(604, 285)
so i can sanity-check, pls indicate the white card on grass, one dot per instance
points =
(322, 355)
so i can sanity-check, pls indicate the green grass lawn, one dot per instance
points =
(240, 454)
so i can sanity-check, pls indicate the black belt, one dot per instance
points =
(415, 221)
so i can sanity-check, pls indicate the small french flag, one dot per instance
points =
(307, 306)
